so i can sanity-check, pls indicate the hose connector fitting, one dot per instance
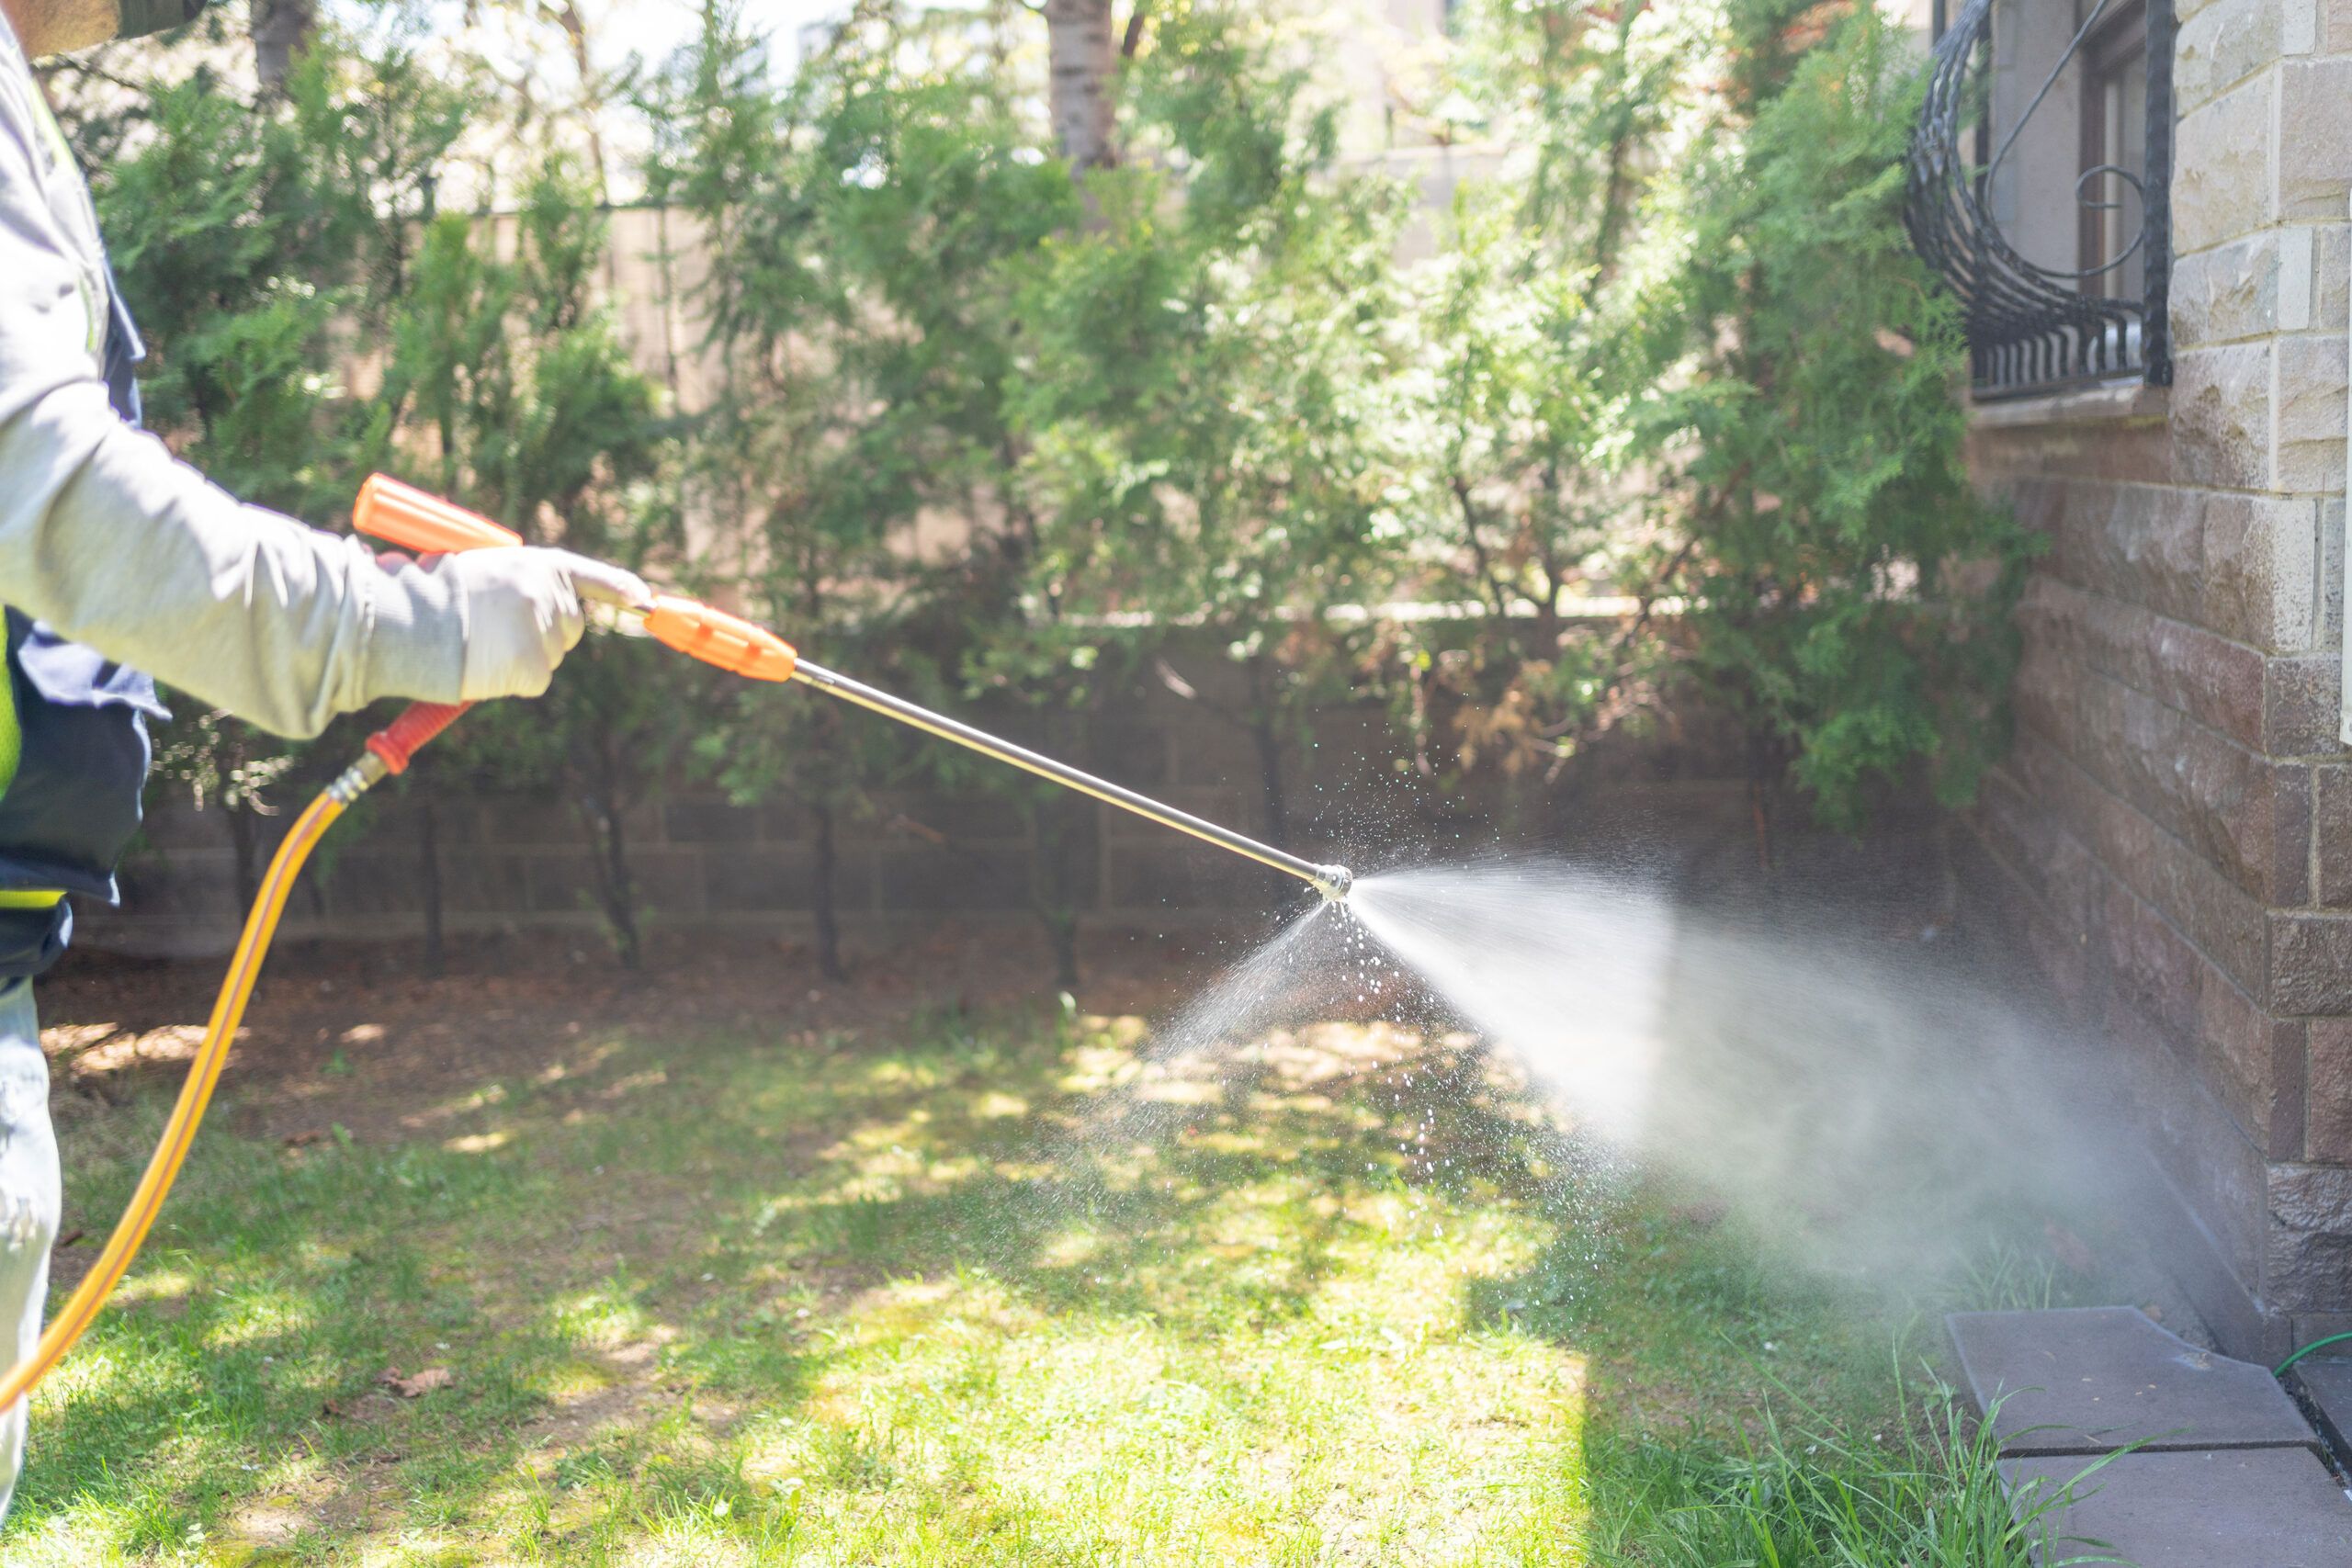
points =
(358, 779)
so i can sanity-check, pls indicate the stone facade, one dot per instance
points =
(2172, 829)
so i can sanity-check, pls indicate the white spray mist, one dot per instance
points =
(1878, 1105)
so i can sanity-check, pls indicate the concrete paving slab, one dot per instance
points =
(2091, 1379)
(2326, 1387)
(2237, 1508)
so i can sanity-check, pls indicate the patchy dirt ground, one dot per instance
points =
(359, 1037)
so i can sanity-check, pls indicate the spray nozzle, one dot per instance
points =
(1333, 881)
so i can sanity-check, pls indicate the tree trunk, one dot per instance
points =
(1062, 929)
(1270, 777)
(621, 903)
(281, 29)
(246, 843)
(616, 889)
(575, 32)
(1765, 765)
(1081, 56)
(1056, 824)
(667, 258)
(828, 930)
(428, 857)
(1267, 736)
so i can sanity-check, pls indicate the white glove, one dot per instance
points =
(521, 606)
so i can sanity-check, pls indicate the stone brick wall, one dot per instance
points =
(2174, 826)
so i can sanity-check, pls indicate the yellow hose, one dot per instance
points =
(228, 1012)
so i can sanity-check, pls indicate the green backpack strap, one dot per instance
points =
(12, 735)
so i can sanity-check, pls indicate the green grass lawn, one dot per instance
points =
(958, 1290)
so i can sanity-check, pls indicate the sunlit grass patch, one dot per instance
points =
(983, 1294)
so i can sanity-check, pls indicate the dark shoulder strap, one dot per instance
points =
(124, 350)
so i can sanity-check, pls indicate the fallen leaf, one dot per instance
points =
(422, 1383)
(1704, 1215)
(69, 1238)
(2070, 1248)
(302, 1139)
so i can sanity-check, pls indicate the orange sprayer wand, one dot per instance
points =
(400, 514)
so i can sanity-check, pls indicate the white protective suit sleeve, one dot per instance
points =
(114, 543)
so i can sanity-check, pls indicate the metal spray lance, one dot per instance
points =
(403, 515)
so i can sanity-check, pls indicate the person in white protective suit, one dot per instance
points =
(117, 563)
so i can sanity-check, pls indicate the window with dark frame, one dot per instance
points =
(2040, 174)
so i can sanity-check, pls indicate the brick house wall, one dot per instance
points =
(2172, 832)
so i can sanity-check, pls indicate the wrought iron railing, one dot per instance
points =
(2032, 327)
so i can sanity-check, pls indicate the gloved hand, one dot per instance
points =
(522, 609)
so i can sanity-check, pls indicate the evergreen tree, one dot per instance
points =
(861, 222)
(1850, 593)
(530, 412)
(1207, 398)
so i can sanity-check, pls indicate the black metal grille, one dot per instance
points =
(2032, 327)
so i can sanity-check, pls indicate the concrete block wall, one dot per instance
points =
(512, 863)
(2174, 825)
(509, 864)
(909, 859)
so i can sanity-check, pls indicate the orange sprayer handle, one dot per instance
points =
(404, 516)
(716, 637)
